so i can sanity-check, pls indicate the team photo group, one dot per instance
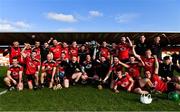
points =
(127, 65)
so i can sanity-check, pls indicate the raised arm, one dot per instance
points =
(123, 64)
(50, 40)
(134, 52)
(6, 52)
(167, 41)
(130, 42)
(22, 52)
(136, 55)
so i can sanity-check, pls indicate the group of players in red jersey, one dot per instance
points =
(134, 67)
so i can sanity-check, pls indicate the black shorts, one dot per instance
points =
(171, 86)
(30, 77)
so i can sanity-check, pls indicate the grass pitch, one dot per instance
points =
(79, 98)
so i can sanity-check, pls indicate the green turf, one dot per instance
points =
(78, 98)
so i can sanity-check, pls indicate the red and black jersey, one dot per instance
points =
(56, 50)
(15, 71)
(134, 70)
(66, 51)
(31, 65)
(124, 81)
(38, 52)
(149, 64)
(49, 65)
(123, 51)
(159, 84)
(104, 51)
(15, 52)
(73, 52)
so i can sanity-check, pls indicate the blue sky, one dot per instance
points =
(89, 15)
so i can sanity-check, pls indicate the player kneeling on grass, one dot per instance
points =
(73, 72)
(111, 75)
(31, 68)
(126, 82)
(48, 71)
(14, 76)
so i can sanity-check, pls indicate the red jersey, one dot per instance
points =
(49, 66)
(134, 70)
(56, 50)
(31, 66)
(66, 51)
(15, 52)
(124, 81)
(15, 71)
(158, 83)
(149, 64)
(104, 51)
(73, 52)
(38, 53)
(28, 52)
(123, 51)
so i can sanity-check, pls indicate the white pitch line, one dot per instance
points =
(3, 92)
